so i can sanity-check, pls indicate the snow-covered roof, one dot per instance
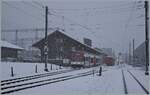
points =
(62, 32)
(78, 41)
(9, 45)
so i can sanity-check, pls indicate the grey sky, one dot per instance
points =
(111, 24)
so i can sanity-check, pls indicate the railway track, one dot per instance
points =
(124, 83)
(26, 78)
(23, 86)
(144, 89)
(135, 79)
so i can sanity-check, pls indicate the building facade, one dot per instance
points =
(140, 54)
(9, 52)
(68, 50)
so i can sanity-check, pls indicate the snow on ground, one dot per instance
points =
(24, 69)
(55, 76)
(139, 73)
(132, 86)
(109, 83)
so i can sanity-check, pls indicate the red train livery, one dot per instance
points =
(109, 61)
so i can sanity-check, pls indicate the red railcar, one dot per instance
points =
(77, 59)
(77, 56)
(109, 61)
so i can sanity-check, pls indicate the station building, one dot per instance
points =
(64, 50)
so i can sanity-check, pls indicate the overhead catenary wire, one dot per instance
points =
(130, 16)
(92, 9)
(54, 12)
(34, 6)
(129, 19)
(39, 4)
(65, 18)
(88, 9)
(75, 23)
(85, 27)
(141, 9)
(27, 30)
(30, 4)
(99, 10)
(21, 10)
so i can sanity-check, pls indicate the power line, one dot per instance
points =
(122, 6)
(85, 27)
(39, 4)
(36, 7)
(140, 15)
(87, 9)
(42, 6)
(30, 4)
(67, 19)
(27, 30)
(103, 11)
(130, 16)
(21, 10)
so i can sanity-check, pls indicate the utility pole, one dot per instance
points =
(16, 37)
(32, 49)
(130, 53)
(63, 18)
(119, 55)
(36, 34)
(133, 53)
(46, 40)
(146, 36)
(126, 58)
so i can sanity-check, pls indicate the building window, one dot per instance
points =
(73, 49)
(61, 48)
(59, 40)
(92, 60)
(86, 58)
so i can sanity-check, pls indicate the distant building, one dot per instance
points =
(108, 56)
(98, 49)
(108, 51)
(124, 57)
(103, 55)
(9, 51)
(63, 47)
(140, 54)
(88, 42)
(31, 55)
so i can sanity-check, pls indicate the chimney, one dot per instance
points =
(87, 42)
